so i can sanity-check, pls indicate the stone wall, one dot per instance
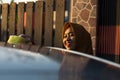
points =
(84, 12)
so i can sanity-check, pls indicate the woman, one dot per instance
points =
(75, 37)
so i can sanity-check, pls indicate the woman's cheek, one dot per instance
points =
(64, 42)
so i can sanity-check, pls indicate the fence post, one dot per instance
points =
(48, 40)
(60, 15)
(12, 19)
(20, 18)
(29, 19)
(38, 28)
(4, 26)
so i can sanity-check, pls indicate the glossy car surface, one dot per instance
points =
(54, 64)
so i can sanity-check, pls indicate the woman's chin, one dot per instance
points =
(68, 48)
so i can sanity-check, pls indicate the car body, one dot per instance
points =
(53, 63)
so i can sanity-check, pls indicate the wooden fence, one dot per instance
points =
(41, 20)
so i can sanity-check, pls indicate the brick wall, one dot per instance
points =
(84, 12)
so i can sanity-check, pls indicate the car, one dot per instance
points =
(52, 63)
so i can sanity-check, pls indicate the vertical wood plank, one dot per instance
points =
(12, 19)
(60, 13)
(0, 9)
(0, 18)
(20, 21)
(38, 22)
(29, 17)
(4, 25)
(48, 23)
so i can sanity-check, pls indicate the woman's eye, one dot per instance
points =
(71, 34)
(64, 36)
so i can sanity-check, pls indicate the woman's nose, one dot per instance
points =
(68, 37)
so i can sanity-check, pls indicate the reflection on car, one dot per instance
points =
(53, 63)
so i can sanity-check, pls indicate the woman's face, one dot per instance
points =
(69, 39)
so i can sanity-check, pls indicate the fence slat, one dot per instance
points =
(48, 23)
(12, 18)
(29, 18)
(20, 21)
(38, 22)
(4, 22)
(0, 13)
(0, 9)
(0, 19)
(60, 13)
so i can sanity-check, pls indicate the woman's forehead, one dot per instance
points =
(68, 30)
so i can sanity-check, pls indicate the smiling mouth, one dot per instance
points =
(68, 44)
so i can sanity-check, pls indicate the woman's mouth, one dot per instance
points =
(68, 44)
